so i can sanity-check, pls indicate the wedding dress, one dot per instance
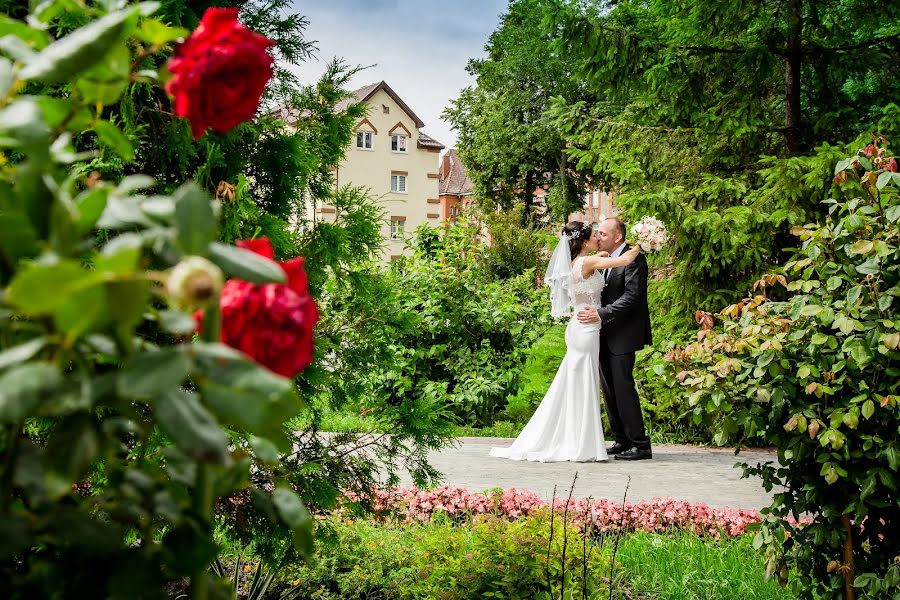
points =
(566, 425)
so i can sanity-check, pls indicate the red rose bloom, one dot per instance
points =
(892, 165)
(272, 323)
(219, 73)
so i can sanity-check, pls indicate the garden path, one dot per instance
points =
(681, 472)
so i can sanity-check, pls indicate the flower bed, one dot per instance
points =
(659, 515)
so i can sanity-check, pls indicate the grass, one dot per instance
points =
(682, 566)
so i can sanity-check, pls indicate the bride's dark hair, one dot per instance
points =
(577, 233)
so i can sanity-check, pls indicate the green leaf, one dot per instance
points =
(292, 512)
(78, 51)
(870, 267)
(246, 265)
(157, 33)
(893, 457)
(854, 294)
(105, 82)
(151, 373)
(22, 352)
(868, 409)
(195, 219)
(892, 213)
(803, 372)
(242, 393)
(110, 135)
(24, 387)
(884, 302)
(176, 322)
(883, 180)
(73, 448)
(190, 425)
(833, 283)
(264, 450)
(90, 204)
(41, 288)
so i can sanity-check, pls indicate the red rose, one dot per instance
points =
(892, 165)
(869, 150)
(272, 323)
(219, 73)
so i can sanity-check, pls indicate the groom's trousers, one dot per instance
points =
(623, 408)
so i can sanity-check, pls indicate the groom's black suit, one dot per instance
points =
(625, 329)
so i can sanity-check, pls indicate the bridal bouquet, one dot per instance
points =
(651, 234)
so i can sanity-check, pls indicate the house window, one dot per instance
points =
(454, 212)
(398, 225)
(398, 183)
(364, 140)
(398, 143)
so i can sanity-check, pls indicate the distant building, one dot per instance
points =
(395, 160)
(598, 205)
(456, 189)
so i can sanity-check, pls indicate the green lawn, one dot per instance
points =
(682, 566)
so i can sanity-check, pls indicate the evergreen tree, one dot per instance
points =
(722, 117)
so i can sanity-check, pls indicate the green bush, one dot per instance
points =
(118, 435)
(491, 558)
(457, 339)
(816, 375)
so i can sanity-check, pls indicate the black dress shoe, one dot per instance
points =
(635, 453)
(617, 448)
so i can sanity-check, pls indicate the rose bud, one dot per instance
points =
(194, 282)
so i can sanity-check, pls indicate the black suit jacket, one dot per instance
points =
(625, 317)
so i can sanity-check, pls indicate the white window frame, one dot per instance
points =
(398, 184)
(396, 142)
(362, 137)
(398, 228)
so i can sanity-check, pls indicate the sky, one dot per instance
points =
(419, 47)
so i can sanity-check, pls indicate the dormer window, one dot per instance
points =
(398, 143)
(364, 140)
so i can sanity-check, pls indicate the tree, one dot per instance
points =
(508, 144)
(722, 117)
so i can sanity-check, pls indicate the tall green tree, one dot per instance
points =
(507, 142)
(722, 117)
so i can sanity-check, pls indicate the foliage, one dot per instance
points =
(476, 331)
(815, 375)
(508, 145)
(489, 558)
(117, 434)
(514, 249)
(722, 119)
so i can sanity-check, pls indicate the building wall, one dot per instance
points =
(373, 169)
(598, 205)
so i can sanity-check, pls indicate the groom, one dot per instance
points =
(625, 329)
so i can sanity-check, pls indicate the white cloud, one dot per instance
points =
(420, 48)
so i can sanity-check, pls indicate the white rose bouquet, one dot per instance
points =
(651, 234)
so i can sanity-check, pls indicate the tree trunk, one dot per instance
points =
(848, 567)
(793, 62)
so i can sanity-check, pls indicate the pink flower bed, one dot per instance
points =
(660, 515)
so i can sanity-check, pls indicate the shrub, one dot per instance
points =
(492, 557)
(816, 375)
(113, 440)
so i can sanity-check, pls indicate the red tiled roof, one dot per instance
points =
(456, 182)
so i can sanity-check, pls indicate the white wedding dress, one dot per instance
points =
(566, 425)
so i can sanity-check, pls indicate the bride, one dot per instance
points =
(566, 426)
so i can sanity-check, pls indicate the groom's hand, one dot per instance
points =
(588, 315)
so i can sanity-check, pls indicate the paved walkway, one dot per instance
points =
(682, 472)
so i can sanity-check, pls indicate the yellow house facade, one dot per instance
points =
(398, 163)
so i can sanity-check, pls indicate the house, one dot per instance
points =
(396, 161)
(456, 189)
(598, 205)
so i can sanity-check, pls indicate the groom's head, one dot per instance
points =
(610, 234)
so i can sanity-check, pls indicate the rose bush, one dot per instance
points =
(118, 434)
(219, 73)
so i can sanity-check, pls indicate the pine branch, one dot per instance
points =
(893, 39)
